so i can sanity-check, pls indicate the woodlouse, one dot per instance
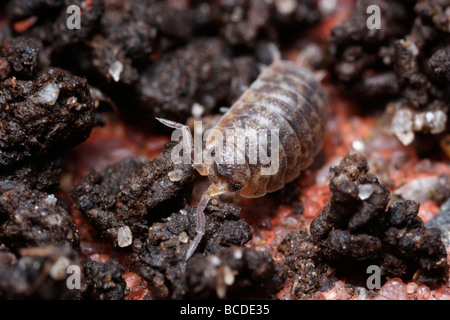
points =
(286, 97)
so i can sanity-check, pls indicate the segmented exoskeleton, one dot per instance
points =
(285, 97)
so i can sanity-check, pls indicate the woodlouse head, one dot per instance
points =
(234, 176)
(230, 176)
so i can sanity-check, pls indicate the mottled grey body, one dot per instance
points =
(284, 97)
(290, 99)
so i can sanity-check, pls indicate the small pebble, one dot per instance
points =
(115, 70)
(402, 126)
(228, 276)
(51, 200)
(394, 289)
(411, 287)
(172, 242)
(361, 293)
(197, 110)
(442, 221)
(423, 293)
(358, 145)
(59, 268)
(124, 237)
(47, 95)
(420, 189)
(175, 175)
(365, 191)
(183, 237)
(285, 6)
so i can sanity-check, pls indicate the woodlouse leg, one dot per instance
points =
(213, 190)
(200, 222)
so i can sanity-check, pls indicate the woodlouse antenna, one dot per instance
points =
(187, 136)
(303, 60)
(276, 55)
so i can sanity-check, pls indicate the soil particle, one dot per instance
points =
(32, 218)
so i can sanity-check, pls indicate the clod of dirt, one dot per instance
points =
(124, 200)
(406, 62)
(42, 175)
(357, 199)
(33, 218)
(38, 273)
(104, 280)
(51, 22)
(233, 273)
(169, 89)
(355, 231)
(126, 46)
(19, 56)
(42, 113)
(97, 190)
(163, 249)
(306, 268)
